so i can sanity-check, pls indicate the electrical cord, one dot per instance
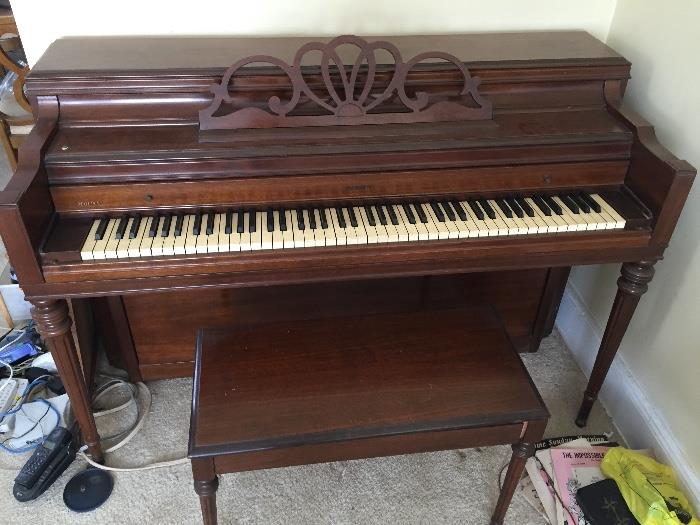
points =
(110, 385)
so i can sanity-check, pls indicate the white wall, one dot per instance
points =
(41, 22)
(662, 347)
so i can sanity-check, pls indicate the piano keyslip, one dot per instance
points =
(235, 230)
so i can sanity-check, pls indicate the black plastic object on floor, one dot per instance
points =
(87, 490)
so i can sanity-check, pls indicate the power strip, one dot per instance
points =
(9, 396)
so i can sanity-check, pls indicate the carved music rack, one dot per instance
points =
(356, 96)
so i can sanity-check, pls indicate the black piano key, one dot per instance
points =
(476, 209)
(448, 211)
(165, 230)
(488, 210)
(591, 202)
(381, 215)
(370, 216)
(300, 219)
(525, 206)
(341, 217)
(101, 229)
(585, 208)
(552, 205)
(270, 220)
(228, 229)
(121, 228)
(252, 221)
(210, 223)
(240, 227)
(519, 213)
(569, 203)
(135, 225)
(409, 213)
(503, 205)
(153, 229)
(421, 213)
(542, 205)
(460, 211)
(312, 218)
(392, 215)
(282, 216)
(323, 218)
(197, 226)
(437, 211)
(353, 217)
(179, 221)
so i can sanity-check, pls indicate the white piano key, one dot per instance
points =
(191, 240)
(180, 240)
(421, 227)
(277, 233)
(146, 241)
(480, 228)
(372, 232)
(329, 230)
(288, 234)
(545, 223)
(411, 229)
(133, 249)
(98, 251)
(573, 221)
(513, 228)
(123, 244)
(89, 244)
(308, 233)
(402, 226)
(609, 210)
(219, 241)
(500, 224)
(356, 234)
(265, 235)
(392, 231)
(319, 233)
(340, 233)
(256, 236)
(443, 232)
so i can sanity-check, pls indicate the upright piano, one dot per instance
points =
(173, 183)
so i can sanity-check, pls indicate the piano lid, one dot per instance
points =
(196, 56)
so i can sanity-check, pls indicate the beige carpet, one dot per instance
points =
(456, 486)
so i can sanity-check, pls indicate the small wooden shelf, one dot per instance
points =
(270, 395)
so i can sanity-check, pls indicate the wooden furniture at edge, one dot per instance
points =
(14, 129)
(292, 393)
(118, 131)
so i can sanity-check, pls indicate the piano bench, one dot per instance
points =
(293, 393)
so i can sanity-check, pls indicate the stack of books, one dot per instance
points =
(566, 485)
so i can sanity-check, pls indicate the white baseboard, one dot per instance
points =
(639, 422)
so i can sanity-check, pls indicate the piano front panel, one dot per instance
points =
(266, 191)
(163, 325)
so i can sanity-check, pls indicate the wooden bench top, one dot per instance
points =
(266, 386)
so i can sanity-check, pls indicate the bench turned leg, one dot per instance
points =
(525, 448)
(205, 485)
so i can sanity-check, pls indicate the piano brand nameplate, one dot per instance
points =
(346, 94)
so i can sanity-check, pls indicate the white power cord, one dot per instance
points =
(129, 434)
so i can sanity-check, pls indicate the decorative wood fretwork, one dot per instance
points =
(357, 98)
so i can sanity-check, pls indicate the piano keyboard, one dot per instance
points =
(241, 230)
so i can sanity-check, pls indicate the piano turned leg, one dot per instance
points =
(631, 285)
(54, 325)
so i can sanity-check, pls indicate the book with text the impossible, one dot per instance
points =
(575, 468)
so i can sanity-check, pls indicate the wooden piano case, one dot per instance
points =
(153, 335)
